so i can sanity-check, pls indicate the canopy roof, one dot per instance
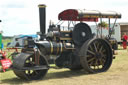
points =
(86, 15)
(33, 36)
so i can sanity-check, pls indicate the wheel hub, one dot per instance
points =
(83, 34)
(98, 55)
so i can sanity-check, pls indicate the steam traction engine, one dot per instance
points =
(74, 47)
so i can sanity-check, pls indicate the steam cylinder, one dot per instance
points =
(54, 48)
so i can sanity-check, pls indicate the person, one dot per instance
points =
(124, 38)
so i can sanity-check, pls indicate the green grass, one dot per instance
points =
(116, 75)
(6, 41)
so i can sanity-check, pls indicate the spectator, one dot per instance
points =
(124, 38)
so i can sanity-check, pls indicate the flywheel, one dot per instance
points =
(81, 33)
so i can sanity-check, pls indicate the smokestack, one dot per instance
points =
(42, 16)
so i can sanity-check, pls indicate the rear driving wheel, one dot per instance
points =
(96, 55)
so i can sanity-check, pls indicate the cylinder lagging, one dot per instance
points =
(48, 47)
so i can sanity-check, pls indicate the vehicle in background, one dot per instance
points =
(18, 40)
(117, 32)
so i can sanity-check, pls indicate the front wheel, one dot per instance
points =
(25, 60)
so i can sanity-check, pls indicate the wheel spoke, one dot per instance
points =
(104, 56)
(103, 60)
(36, 72)
(101, 63)
(29, 72)
(101, 49)
(96, 64)
(91, 52)
(88, 56)
(91, 59)
(90, 47)
(91, 63)
(95, 47)
(98, 67)
(94, 67)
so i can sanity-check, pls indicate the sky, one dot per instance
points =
(22, 16)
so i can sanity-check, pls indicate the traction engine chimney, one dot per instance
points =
(42, 16)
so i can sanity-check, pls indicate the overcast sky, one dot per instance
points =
(22, 16)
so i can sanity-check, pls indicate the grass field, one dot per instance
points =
(116, 75)
(5, 41)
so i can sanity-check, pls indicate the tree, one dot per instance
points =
(103, 24)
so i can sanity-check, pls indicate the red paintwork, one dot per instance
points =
(73, 15)
(5, 62)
